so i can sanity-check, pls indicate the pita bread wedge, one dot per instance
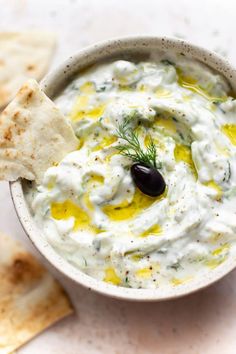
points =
(23, 55)
(34, 135)
(30, 299)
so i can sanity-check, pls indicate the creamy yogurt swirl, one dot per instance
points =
(88, 206)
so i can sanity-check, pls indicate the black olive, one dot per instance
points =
(148, 179)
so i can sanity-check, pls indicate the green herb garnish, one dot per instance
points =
(167, 62)
(133, 149)
(176, 266)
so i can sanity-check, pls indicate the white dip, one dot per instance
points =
(88, 206)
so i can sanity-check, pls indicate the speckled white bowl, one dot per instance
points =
(52, 84)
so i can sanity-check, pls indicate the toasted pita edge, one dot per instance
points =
(34, 135)
(23, 55)
(31, 299)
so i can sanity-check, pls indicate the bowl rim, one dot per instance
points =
(98, 52)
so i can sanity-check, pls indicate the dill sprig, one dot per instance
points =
(133, 149)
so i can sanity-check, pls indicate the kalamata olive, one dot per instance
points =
(148, 179)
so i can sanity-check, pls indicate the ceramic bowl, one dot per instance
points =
(124, 48)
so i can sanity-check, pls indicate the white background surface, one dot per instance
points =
(204, 323)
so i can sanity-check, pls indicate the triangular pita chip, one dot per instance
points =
(34, 135)
(23, 55)
(30, 298)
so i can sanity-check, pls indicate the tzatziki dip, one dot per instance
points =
(89, 206)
